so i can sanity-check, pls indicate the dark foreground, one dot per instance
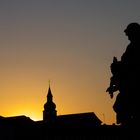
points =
(43, 132)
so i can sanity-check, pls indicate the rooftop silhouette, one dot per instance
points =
(73, 126)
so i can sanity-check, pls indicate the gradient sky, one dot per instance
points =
(71, 43)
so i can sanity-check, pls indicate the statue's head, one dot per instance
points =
(133, 31)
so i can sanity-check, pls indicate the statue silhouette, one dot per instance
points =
(125, 79)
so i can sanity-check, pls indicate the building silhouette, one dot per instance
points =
(80, 119)
(49, 112)
(79, 126)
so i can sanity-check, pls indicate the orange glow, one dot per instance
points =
(28, 113)
(28, 98)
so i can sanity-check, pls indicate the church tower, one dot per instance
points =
(49, 112)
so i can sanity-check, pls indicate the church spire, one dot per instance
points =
(49, 112)
(49, 95)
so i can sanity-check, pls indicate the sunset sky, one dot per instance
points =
(69, 42)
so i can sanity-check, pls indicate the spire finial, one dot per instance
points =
(49, 83)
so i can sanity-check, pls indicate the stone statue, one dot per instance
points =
(125, 79)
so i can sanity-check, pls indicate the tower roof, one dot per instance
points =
(49, 92)
(49, 105)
